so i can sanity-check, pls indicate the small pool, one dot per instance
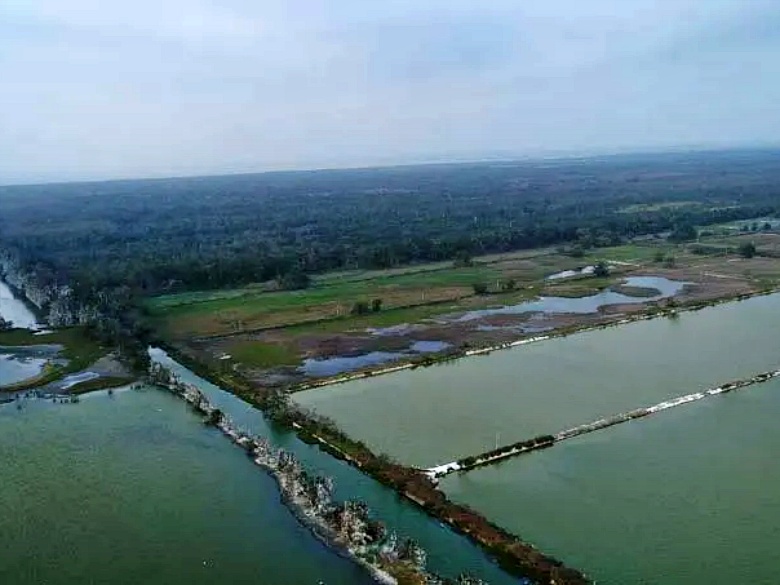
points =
(14, 368)
(341, 364)
(583, 305)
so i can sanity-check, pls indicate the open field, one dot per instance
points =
(330, 297)
(269, 337)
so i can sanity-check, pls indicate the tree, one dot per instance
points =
(360, 308)
(509, 284)
(658, 257)
(767, 226)
(684, 232)
(463, 259)
(670, 261)
(601, 270)
(747, 250)
(376, 305)
(295, 279)
(5, 325)
(480, 288)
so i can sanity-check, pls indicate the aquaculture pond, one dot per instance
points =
(436, 414)
(686, 497)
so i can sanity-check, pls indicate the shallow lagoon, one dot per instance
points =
(14, 368)
(588, 304)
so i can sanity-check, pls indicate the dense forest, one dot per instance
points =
(109, 241)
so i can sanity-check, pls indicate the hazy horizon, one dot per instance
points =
(498, 159)
(153, 90)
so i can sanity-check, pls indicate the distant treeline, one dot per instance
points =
(182, 234)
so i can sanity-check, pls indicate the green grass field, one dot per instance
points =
(408, 294)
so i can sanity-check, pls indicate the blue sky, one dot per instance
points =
(101, 89)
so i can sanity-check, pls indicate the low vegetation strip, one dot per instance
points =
(522, 447)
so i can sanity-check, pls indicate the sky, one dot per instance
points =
(95, 89)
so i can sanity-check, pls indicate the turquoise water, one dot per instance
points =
(134, 489)
(687, 497)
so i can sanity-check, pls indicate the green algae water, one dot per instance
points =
(448, 553)
(132, 488)
(429, 416)
(686, 497)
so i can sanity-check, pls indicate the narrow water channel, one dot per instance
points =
(448, 553)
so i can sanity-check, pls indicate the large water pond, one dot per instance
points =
(14, 310)
(688, 497)
(134, 489)
(588, 304)
(440, 413)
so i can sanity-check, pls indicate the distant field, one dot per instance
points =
(333, 296)
(651, 207)
(416, 293)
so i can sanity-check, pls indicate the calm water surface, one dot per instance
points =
(688, 497)
(134, 489)
(15, 368)
(448, 553)
(433, 415)
(587, 304)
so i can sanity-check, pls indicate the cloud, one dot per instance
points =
(93, 89)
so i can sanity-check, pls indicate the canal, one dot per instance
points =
(448, 553)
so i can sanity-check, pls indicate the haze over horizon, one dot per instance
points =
(154, 89)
